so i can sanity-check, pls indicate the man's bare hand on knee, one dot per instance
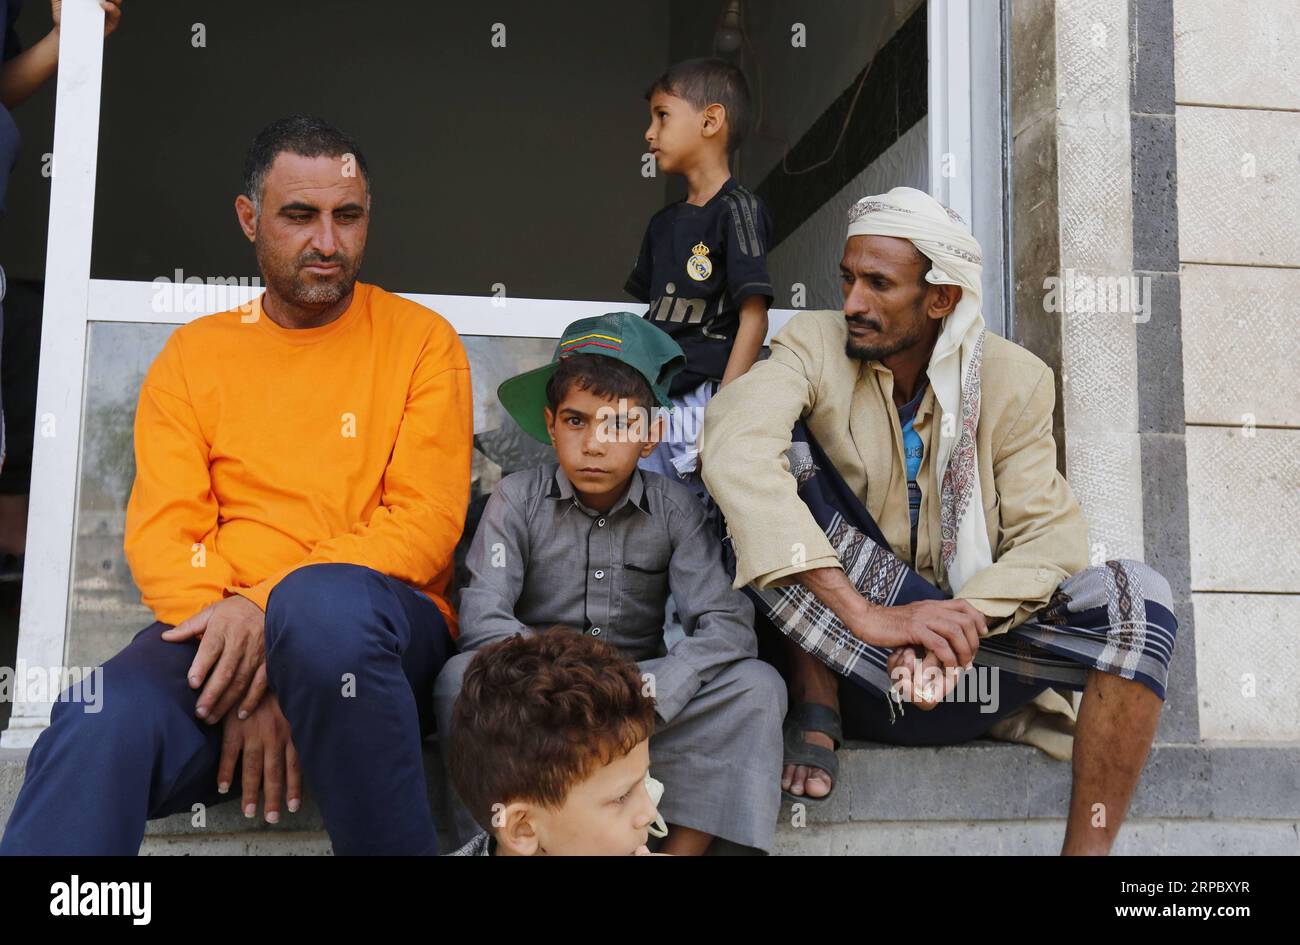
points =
(270, 761)
(949, 629)
(231, 657)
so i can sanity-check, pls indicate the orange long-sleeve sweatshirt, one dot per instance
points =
(260, 449)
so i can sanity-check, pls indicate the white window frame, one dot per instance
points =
(73, 301)
(968, 134)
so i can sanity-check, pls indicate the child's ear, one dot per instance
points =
(516, 832)
(657, 428)
(654, 434)
(714, 116)
(549, 414)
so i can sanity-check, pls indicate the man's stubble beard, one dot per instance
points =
(323, 293)
(879, 352)
(289, 283)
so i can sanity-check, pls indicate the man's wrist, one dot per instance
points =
(865, 621)
(249, 599)
(834, 589)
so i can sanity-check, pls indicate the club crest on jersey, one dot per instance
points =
(699, 267)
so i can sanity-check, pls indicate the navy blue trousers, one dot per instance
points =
(351, 655)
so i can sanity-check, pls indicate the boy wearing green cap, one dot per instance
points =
(594, 545)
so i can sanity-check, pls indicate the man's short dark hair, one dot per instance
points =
(537, 714)
(304, 135)
(601, 376)
(705, 81)
(926, 263)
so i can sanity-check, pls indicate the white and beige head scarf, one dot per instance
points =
(954, 369)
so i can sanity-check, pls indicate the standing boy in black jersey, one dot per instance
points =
(703, 261)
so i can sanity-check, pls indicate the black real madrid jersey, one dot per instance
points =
(696, 265)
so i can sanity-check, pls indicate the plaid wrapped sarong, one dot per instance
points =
(1115, 617)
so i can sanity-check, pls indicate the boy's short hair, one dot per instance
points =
(538, 714)
(602, 376)
(705, 81)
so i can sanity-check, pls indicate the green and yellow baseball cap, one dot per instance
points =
(621, 335)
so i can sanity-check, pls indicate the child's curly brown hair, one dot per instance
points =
(537, 714)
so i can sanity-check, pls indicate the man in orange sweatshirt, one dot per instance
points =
(302, 476)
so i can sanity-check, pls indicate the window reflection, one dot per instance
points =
(105, 609)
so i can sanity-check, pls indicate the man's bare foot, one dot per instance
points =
(803, 781)
(810, 681)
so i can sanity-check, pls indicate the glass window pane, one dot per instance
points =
(105, 608)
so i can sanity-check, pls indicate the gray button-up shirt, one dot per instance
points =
(541, 558)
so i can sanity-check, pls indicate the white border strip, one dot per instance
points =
(42, 628)
(949, 94)
(165, 303)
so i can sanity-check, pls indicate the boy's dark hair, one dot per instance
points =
(304, 135)
(602, 376)
(705, 81)
(538, 714)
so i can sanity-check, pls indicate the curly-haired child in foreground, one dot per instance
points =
(549, 749)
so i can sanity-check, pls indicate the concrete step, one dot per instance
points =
(1199, 837)
(980, 798)
(1139, 837)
